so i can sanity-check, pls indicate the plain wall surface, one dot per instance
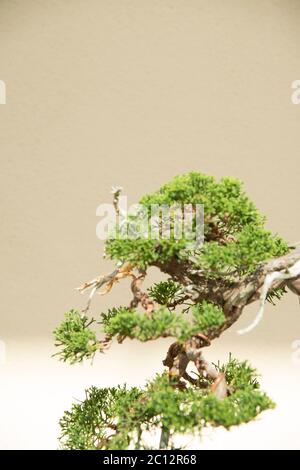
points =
(132, 93)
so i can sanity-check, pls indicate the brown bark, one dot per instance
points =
(233, 296)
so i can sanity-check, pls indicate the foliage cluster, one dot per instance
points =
(78, 341)
(234, 233)
(117, 418)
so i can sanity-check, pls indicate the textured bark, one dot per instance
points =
(180, 355)
(138, 295)
(233, 296)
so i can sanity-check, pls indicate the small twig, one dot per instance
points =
(116, 191)
(294, 245)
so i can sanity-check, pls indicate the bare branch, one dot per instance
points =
(270, 279)
(248, 289)
(116, 191)
(125, 270)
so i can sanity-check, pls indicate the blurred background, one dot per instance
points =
(131, 93)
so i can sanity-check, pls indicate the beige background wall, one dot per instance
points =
(102, 93)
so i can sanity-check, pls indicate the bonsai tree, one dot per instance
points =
(209, 284)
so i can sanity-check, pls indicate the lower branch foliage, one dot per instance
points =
(119, 418)
(78, 341)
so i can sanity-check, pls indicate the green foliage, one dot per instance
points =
(225, 202)
(234, 233)
(166, 292)
(276, 294)
(75, 337)
(132, 324)
(144, 252)
(89, 422)
(77, 341)
(252, 246)
(107, 316)
(239, 375)
(115, 418)
(207, 316)
(163, 322)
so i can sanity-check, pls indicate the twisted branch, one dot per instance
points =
(138, 295)
(179, 356)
